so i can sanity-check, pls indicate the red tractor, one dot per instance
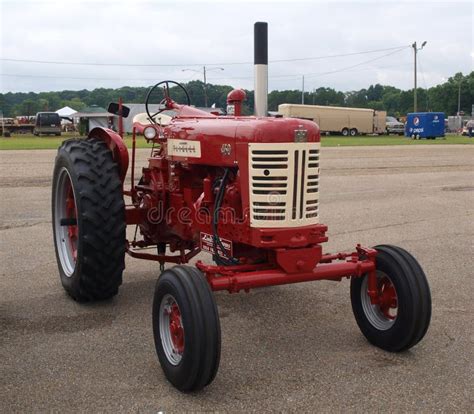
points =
(244, 189)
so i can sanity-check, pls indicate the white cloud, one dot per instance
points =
(218, 32)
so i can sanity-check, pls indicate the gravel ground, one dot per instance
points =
(294, 347)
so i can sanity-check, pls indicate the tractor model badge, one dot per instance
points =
(301, 134)
(184, 148)
(226, 149)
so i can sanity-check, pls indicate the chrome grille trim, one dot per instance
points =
(284, 184)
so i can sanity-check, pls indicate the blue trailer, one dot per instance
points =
(427, 125)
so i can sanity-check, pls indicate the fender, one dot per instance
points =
(116, 144)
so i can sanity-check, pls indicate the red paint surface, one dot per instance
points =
(173, 203)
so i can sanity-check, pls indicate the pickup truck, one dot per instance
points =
(393, 126)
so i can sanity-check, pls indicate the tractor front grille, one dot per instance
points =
(284, 184)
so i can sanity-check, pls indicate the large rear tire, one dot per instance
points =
(88, 220)
(402, 316)
(186, 328)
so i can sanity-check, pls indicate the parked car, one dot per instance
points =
(394, 126)
(467, 125)
(47, 123)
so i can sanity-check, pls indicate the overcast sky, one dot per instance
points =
(216, 33)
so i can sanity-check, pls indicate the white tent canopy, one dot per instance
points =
(66, 111)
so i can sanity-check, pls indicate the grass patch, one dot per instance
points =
(30, 142)
(339, 141)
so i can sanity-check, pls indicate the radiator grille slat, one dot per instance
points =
(284, 184)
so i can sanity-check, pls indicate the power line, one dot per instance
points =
(357, 64)
(339, 55)
(346, 68)
(56, 62)
(298, 77)
(13, 75)
(324, 73)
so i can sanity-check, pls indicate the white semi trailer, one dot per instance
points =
(340, 120)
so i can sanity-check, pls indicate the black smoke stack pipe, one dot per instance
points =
(261, 68)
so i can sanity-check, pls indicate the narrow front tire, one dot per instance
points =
(402, 315)
(186, 328)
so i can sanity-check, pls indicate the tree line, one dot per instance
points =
(397, 102)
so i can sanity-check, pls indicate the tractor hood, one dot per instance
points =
(212, 140)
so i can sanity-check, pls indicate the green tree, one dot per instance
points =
(443, 97)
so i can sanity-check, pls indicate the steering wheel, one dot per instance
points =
(166, 98)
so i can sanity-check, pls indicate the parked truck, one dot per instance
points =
(17, 125)
(47, 123)
(338, 120)
(394, 126)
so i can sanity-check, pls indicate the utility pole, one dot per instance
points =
(205, 86)
(459, 97)
(415, 51)
(302, 89)
(204, 73)
(414, 89)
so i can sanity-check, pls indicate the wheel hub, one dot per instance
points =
(176, 328)
(381, 312)
(387, 297)
(171, 329)
(71, 213)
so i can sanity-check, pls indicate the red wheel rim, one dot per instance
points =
(171, 329)
(66, 230)
(176, 329)
(383, 311)
(387, 297)
(71, 213)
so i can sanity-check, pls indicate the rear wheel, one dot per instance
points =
(402, 315)
(186, 328)
(345, 132)
(353, 132)
(88, 220)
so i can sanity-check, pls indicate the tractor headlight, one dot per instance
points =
(149, 133)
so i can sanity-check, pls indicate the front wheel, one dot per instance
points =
(186, 328)
(353, 132)
(402, 315)
(345, 132)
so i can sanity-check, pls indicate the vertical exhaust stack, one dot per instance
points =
(261, 68)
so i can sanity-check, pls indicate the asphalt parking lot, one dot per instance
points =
(293, 347)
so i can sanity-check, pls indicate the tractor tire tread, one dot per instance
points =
(204, 320)
(423, 292)
(101, 214)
